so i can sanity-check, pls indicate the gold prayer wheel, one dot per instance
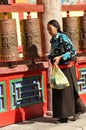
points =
(8, 34)
(33, 38)
(71, 26)
(83, 33)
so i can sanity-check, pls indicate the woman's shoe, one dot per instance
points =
(63, 120)
(75, 117)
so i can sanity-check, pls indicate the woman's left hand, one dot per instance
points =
(57, 59)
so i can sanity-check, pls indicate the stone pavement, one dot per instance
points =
(48, 123)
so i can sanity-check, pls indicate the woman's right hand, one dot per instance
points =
(57, 59)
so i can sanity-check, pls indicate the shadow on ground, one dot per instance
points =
(40, 119)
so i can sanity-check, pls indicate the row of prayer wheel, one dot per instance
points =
(9, 43)
(75, 28)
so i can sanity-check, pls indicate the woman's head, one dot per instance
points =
(53, 27)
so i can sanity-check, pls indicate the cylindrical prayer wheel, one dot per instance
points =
(83, 33)
(0, 47)
(33, 38)
(8, 34)
(71, 26)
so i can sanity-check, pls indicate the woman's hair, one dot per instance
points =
(55, 24)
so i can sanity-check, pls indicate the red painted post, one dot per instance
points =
(12, 1)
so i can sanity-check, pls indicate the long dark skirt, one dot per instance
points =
(67, 102)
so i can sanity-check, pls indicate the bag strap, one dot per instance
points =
(55, 65)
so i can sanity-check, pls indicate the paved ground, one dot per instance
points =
(48, 123)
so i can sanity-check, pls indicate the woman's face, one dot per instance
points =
(52, 30)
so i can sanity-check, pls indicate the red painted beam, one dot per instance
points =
(23, 68)
(81, 59)
(21, 8)
(77, 7)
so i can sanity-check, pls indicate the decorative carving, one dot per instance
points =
(33, 38)
(9, 46)
(71, 26)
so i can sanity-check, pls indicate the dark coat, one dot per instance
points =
(67, 102)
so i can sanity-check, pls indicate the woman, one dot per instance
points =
(66, 102)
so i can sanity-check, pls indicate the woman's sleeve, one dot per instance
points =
(68, 47)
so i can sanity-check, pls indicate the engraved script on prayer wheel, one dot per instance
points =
(9, 51)
(71, 26)
(33, 38)
(83, 33)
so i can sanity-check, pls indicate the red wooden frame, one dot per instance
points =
(22, 113)
(83, 65)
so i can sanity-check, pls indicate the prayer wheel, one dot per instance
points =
(0, 47)
(33, 38)
(4, 1)
(83, 33)
(8, 34)
(71, 26)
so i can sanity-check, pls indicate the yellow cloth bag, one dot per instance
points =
(58, 79)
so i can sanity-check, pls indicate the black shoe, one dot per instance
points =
(75, 117)
(63, 120)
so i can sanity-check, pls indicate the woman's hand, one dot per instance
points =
(57, 59)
